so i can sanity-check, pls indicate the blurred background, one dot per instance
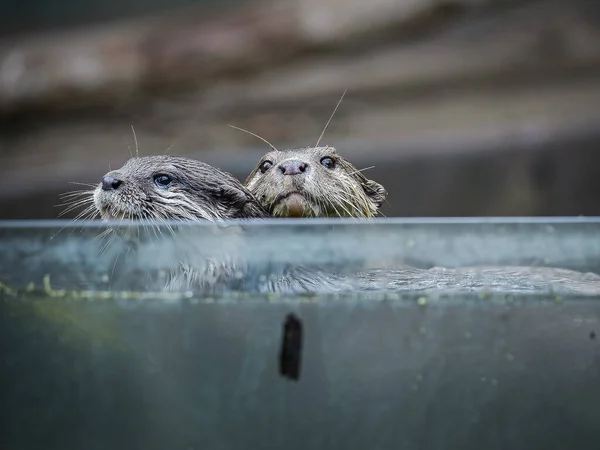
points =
(464, 107)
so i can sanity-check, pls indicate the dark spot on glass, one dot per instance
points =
(290, 357)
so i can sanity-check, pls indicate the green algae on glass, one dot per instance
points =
(78, 326)
(235, 296)
(65, 312)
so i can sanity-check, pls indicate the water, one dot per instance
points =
(541, 256)
(428, 334)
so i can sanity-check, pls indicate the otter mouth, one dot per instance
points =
(287, 195)
(292, 204)
(110, 209)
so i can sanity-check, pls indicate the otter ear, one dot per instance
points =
(375, 191)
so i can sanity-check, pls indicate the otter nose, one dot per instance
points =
(293, 167)
(110, 183)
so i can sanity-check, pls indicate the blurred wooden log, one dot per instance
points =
(504, 75)
(121, 64)
(117, 64)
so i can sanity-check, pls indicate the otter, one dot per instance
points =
(170, 187)
(313, 182)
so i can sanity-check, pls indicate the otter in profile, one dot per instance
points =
(313, 182)
(171, 187)
(166, 188)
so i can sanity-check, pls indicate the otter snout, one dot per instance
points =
(292, 167)
(111, 183)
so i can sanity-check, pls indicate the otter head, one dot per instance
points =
(171, 187)
(313, 182)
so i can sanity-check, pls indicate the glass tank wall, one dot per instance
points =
(431, 334)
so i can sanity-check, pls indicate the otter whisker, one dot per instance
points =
(171, 146)
(327, 201)
(74, 206)
(89, 210)
(321, 202)
(104, 247)
(328, 204)
(157, 229)
(104, 234)
(83, 184)
(255, 135)
(151, 228)
(68, 199)
(387, 203)
(171, 230)
(330, 117)
(109, 239)
(112, 272)
(121, 221)
(88, 214)
(128, 249)
(78, 191)
(73, 202)
(339, 197)
(162, 222)
(158, 222)
(340, 205)
(72, 197)
(137, 148)
(361, 170)
(332, 204)
(365, 209)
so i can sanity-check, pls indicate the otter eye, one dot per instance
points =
(328, 162)
(162, 180)
(266, 165)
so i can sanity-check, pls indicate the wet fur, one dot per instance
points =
(199, 192)
(339, 192)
